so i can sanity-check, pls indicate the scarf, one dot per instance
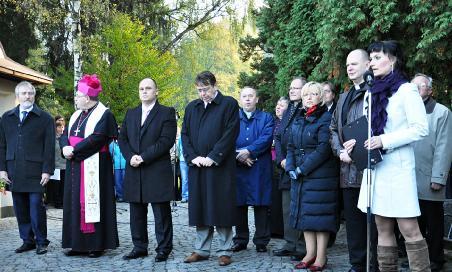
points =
(382, 90)
(310, 110)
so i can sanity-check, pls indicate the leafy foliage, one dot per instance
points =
(122, 55)
(313, 38)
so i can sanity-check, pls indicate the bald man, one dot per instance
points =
(349, 108)
(146, 137)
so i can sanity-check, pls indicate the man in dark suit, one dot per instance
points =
(27, 159)
(330, 96)
(146, 137)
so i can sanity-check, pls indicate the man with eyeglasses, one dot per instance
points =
(27, 159)
(433, 158)
(292, 247)
(209, 131)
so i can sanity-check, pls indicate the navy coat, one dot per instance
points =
(254, 184)
(27, 149)
(314, 195)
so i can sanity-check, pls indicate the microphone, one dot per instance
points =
(369, 78)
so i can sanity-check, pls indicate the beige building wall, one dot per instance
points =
(7, 102)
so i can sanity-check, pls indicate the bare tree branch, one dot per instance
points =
(213, 11)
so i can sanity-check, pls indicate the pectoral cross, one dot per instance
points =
(77, 131)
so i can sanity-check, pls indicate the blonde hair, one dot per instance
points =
(314, 87)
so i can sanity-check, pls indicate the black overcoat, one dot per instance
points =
(152, 181)
(211, 132)
(27, 149)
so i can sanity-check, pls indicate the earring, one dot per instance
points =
(392, 67)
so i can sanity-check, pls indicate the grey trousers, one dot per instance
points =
(291, 235)
(204, 240)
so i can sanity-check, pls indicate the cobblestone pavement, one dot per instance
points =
(184, 236)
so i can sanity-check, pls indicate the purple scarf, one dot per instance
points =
(382, 89)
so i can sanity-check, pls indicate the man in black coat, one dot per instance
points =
(146, 137)
(292, 247)
(27, 159)
(330, 96)
(211, 126)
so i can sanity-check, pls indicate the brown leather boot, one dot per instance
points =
(418, 258)
(387, 258)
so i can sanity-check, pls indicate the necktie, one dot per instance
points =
(144, 116)
(24, 115)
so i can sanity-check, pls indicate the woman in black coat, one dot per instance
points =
(314, 174)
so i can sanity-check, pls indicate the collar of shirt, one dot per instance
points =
(206, 103)
(147, 109)
(27, 110)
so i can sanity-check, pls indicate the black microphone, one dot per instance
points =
(369, 78)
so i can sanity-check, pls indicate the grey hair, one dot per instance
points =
(24, 84)
(283, 98)
(429, 79)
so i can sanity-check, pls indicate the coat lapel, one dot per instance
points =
(150, 116)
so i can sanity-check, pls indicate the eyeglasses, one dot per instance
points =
(79, 96)
(295, 88)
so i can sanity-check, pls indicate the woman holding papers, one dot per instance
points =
(398, 118)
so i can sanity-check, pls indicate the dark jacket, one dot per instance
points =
(349, 108)
(27, 149)
(211, 132)
(254, 184)
(152, 181)
(281, 141)
(314, 195)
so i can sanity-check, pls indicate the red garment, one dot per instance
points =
(311, 110)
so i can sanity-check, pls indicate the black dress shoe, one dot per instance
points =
(436, 266)
(161, 257)
(71, 253)
(41, 249)
(95, 254)
(25, 247)
(135, 254)
(282, 252)
(238, 247)
(261, 248)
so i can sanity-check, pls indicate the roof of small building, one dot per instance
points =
(12, 69)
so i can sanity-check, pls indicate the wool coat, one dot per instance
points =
(27, 148)
(211, 131)
(394, 190)
(152, 181)
(434, 153)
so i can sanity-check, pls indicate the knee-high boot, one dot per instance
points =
(387, 258)
(418, 259)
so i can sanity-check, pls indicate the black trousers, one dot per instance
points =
(356, 226)
(431, 223)
(163, 226)
(262, 224)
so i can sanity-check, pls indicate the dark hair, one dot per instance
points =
(206, 78)
(391, 48)
(331, 85)
(58, 117)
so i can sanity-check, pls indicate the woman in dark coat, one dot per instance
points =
(314, 175)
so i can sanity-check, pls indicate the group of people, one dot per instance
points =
(228, 151)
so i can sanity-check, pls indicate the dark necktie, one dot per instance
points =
(24, 115)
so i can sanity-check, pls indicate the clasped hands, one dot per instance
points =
(244, 156)
(294, 174)
(202, 161)
(68, 152)
(136, 160)
(374, 143)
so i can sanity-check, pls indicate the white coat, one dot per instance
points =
(394, 191)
